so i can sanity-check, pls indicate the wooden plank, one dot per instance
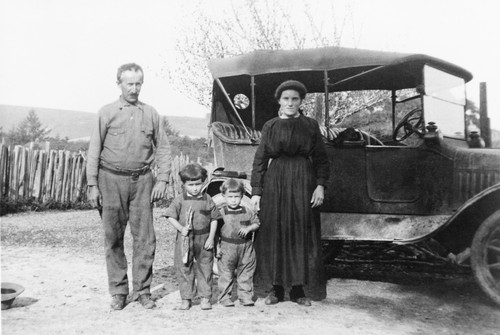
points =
(65, 176)
(39, 173)
(16, 172)
(49, 175)
(53, 191)
(4, 163)
(29, 161)
(59, 176)
(77, 170)
(11, 172)
(26, 172)
(32, 174)
(82, 181)
(69, 169)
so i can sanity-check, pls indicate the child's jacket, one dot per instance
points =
(234, 220)
(203, 207)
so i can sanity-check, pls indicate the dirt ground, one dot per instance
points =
(58, 258)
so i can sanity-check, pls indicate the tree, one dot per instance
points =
(235, 27)
(168, 128)
(28, 130)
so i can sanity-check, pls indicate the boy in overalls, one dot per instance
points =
(236, 251)
(194, 206)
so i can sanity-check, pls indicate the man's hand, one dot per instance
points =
(94, 196)
(159, 191)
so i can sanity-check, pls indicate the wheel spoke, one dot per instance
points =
(494, 266)
(495, 241)
(494, 248)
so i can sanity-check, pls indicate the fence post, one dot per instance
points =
(65, 176)
(82, 181)
(11, 172)
(4, 160)
(49, 180)
(16, 182)
(38, 183)
(32, 171)
(59, 175)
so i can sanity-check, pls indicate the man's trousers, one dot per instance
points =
(128, 199)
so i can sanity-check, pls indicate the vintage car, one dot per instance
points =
(406, 161)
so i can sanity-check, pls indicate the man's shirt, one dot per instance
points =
(125, 138)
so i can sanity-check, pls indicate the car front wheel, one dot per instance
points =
(485, 256)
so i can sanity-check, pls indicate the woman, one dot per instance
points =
(289, 172)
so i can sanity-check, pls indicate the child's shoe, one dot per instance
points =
(205, 304)
(247, 303)
(227, 303)
(185, 305)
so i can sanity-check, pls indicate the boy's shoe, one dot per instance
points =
(247, 303)
(118, 301)
(146, 301)
(184, 306)
(227, 303)
(205, 304)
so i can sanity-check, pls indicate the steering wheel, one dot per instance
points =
(411, 124)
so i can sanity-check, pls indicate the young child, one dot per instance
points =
(199, 208)
(236, 249)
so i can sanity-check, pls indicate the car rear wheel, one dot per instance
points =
(485, 256)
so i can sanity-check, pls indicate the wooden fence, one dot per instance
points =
(54, 175)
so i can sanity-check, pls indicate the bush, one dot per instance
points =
(9, 206)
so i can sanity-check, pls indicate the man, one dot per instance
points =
(120, 183)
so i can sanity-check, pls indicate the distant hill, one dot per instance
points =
(79, 125)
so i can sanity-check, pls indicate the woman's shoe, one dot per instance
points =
(304, 301)
(271, 299)
(276, 295)
(297, 295)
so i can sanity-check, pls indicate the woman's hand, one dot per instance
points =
(255, 201)
(318, 196)
(209, 244)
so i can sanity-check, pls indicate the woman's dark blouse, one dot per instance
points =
(290, 137)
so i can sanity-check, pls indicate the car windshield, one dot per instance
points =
(367, 110)
(444, 102)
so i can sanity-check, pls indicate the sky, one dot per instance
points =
(64, 53)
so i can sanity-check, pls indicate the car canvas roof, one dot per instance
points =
(368, 69)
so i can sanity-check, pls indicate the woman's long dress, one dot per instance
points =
(289, 163)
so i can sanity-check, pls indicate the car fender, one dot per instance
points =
(457, 233)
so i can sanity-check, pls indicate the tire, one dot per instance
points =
(485, 256)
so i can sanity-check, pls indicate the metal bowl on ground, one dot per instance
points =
(9, 292)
